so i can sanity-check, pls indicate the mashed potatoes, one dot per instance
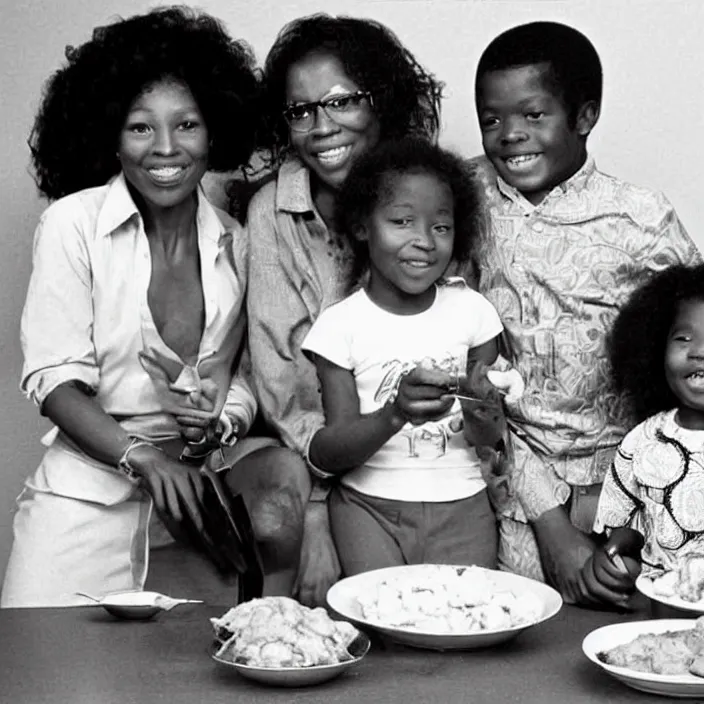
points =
(443, 599)
(280, 632)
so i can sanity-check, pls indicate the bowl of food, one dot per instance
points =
(137, 605)
(444, 607)
(681, 588)
(661, 656)
(278, 641)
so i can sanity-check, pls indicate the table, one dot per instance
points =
(84, 656)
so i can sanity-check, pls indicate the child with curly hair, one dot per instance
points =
(656, 482)
(334, 87)
(410, 488)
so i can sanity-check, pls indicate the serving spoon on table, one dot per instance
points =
(123, 605)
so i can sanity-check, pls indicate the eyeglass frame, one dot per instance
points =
(314, 105)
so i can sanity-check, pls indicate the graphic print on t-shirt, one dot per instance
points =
(430, 440)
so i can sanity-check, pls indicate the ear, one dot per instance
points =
(587, 117)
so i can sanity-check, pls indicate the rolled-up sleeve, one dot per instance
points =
(57, 321)
(240, 404)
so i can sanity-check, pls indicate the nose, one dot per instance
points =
(324, 124)
(423, 238)
(164, 142)
(696, 349)
(513, 131)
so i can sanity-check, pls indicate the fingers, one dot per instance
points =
(193, 435)
(194, 417)
(593, 589)
(609, 574)
(177, 491)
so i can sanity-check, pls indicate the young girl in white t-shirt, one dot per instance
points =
(410, 488)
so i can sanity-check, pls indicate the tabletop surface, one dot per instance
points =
(85, 656)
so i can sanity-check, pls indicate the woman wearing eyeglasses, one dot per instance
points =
(333, 88)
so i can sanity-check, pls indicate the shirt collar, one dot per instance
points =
(576, 183)
(119, 207)
(293, 186)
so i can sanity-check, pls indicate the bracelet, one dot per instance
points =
(123, 464)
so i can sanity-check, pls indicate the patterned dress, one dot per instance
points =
(656, 485)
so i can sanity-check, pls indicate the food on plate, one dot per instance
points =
(448, 600)
(280, 632)
(685, 582)
(669, 653)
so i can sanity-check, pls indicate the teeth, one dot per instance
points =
(418, 264)
(332, 156)
(166, 171)
(522, 159)
(696, 375)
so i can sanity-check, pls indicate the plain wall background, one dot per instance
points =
(651, 130)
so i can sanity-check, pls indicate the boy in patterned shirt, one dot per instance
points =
(565, 245)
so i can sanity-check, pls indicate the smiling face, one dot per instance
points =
(410, 235)
(684, 363)
(526, 130)
(329, 148)
(164, 145)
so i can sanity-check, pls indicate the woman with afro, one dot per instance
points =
(134, 318)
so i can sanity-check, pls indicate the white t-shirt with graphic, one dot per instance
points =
(430, 462)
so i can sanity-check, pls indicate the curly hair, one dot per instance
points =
(638, 338)
(371, 177)
(406, 97)
(76, 131)
(575, 69)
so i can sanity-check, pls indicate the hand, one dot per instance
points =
(176, 489)
(606, 582)
(194, 426)
(422, 394)
(564, 550)
(510, 382)
(319, 567)
(190, 399)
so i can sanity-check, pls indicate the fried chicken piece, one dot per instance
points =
(669, 653)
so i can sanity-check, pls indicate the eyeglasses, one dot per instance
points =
(344, 109)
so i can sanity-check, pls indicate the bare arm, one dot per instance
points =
(349, 438)
(175, 487)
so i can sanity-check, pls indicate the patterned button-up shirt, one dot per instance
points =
(558, 273)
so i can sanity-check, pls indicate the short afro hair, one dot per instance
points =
(372, 176)
(76, 131)
(406, 97)
(638, 339)
(574, 72)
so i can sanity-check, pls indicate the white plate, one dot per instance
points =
(619, 633)
(645, 586)
(299, 676)
(342, 598)
(137, 605)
